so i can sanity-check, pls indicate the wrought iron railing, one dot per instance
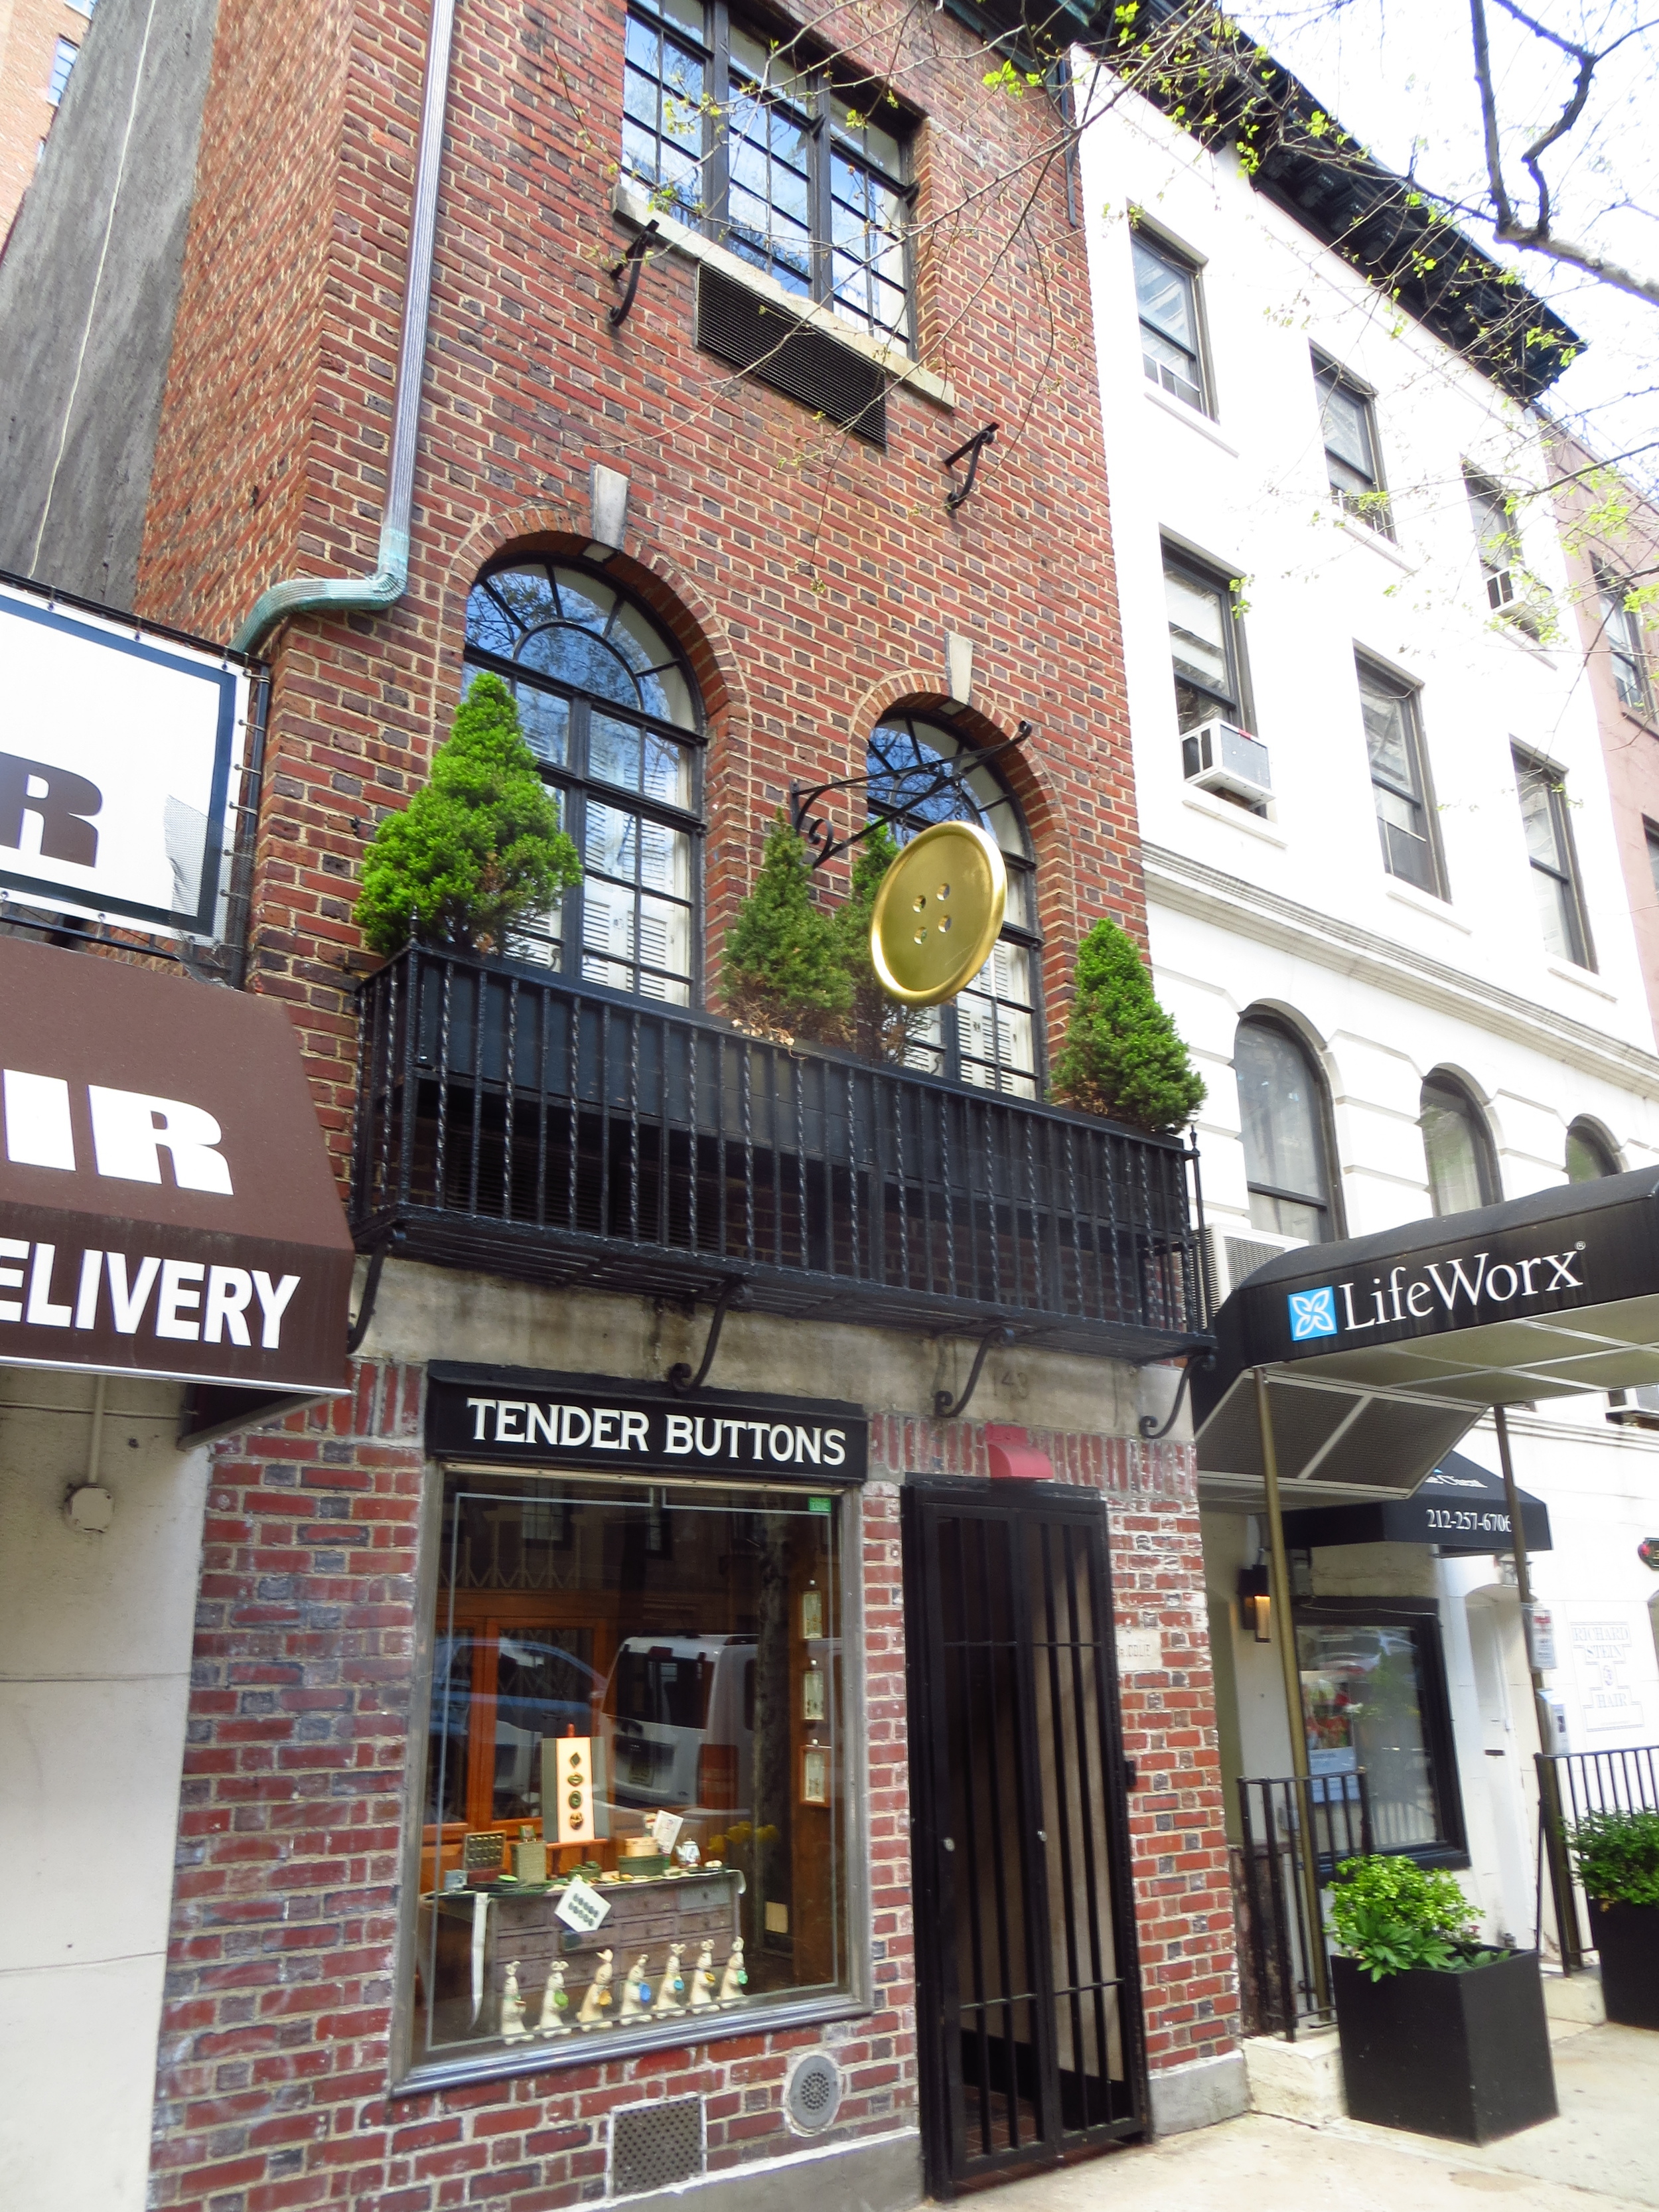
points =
(1296, 1831)
(1570, 1785)
(519, 1124)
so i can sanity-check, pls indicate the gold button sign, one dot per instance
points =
(938, 914)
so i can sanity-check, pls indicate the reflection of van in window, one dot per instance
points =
(680, 1714)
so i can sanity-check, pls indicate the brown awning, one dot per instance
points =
(167, 1204)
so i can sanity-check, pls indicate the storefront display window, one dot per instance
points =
(636, 1802)
(1374, 1697)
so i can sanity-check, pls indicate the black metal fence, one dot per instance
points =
(520, 1122)
(1570, 1785)
(1296, 1831)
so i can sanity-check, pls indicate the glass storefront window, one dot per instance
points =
(636, 1803)
(1374, 1696)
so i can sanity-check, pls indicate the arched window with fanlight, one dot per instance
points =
(612, 714)
(991, 1035)
(1590, 1156)
(1284, 1122)
(1457, 1146)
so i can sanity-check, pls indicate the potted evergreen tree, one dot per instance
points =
(1122, 1056)
(1616, 1854)
(478, 849)
(1439, 2034)
(783, 975)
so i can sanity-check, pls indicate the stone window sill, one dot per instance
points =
(1189, 415)
(634, 208)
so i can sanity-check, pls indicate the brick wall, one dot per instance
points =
(274, 2045)
(810, 578)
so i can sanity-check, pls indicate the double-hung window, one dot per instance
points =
(1554, 863)
(750, 141)
(1171, 344)
(1348, 424)
(1623, 630)
(1204, 647)
(1282, 1112)
(64, 56)
(1399, 780)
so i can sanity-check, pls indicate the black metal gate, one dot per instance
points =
(1028, 2010)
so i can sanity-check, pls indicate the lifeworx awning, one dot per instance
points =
(1380, 1352)
(1458, 1506)
(168, 1207)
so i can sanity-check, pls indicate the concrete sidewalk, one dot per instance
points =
(1603, 2154)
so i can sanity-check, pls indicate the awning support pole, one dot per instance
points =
(1284, 1636)
(1549, 1800)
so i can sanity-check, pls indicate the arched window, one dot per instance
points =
(991, 1035)
(1281, 1101)
(1590, 1156)
(612, 712)
(1462, 1168)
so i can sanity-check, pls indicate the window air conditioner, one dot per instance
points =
(1637, 1408)
(1237, 1253)
(1218, 758)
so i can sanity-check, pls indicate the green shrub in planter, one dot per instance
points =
(1389, 1914)
(879, 1027)
(476, 849)
(783, 974)
(1438, 2033)
(1616, 1856)
(1122, 1056)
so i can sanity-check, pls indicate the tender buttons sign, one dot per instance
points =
(120, 755)
(166, 1203)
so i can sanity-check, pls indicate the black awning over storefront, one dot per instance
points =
(1382, 1352)
(1458, 1507)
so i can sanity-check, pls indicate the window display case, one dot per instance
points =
(636, 1792)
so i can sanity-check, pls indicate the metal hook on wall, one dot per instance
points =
(943, 1408)
(733, 1299)
(970, 452)
(633, 261)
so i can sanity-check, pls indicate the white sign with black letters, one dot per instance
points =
(120, 765)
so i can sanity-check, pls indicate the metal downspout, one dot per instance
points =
(299, 595)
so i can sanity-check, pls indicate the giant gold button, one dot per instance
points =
(938, 914)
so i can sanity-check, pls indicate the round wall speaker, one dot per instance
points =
(938, 914)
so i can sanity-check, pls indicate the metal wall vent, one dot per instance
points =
(654, 2146)
(800, 358)
(812, 2097)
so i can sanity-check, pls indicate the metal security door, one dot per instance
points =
(1029, 2013)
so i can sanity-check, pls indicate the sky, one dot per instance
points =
(1399, 76)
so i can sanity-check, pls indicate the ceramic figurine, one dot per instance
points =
(596, 2003)
(513, 2027)
(670, 1996)
(702, 1978)
(735, 1979)
(556, 2003)
(637, 1993)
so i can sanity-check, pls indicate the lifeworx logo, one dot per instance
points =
(1329, 1310)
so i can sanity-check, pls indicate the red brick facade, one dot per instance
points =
(810, 578)
(276, 2036)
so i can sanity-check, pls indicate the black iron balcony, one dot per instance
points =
(519, 1124)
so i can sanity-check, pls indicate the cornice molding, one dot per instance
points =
(1210, 895)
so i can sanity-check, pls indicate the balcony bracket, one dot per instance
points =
(633, 261)
(970, 452)
(1151, 1428)
(733, 1299)
(943, 1409)
(371, 1291)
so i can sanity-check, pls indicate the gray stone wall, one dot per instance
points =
(89, 291)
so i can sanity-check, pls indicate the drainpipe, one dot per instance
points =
(304, 595)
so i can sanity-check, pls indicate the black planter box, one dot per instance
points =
(1462, 2055)
(1627, 1937)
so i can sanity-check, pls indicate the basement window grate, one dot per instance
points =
(654, 2146)
(800, 358)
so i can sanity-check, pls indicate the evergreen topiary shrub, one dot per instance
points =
(478, 848)
(879, 1028)
(783, 973)
(1122, 1056)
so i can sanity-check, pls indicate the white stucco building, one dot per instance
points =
(1399, 927)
